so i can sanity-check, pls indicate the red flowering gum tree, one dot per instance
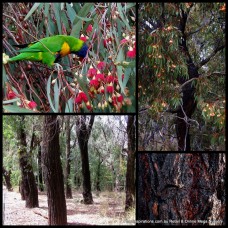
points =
(104, 81)
(181, 76)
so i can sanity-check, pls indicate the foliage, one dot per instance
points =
(106, 78)
(161, 62)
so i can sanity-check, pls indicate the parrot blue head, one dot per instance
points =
(82, 52)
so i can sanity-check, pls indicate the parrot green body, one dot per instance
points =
(50, 49)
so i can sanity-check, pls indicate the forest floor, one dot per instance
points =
(107, 209)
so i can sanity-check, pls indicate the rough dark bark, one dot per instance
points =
(68, 186)
(40, 177)
(130, 180)
(188, 99)
(6, 175)
(53, 174)
(98, 174)
(83, 134)
(28, 186)
(181, 187)
(77, 177)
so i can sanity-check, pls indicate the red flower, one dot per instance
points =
(111, 78)
(101, 65)
(94, 83)
(119, 98)
(107, 41)
(89, 28)
(131, 53)
(110, 88)
(11, 95)
(100, 77)
(81, 97)
(114, 100)
(83, 38)
(89, 106)
(32, 104)
(91, 72)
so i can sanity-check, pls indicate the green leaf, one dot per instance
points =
(65, 20)
(130, 5)
(52, 27)
(119, 74)
(34, 7)
(83, 18)
(49, 93)
(4, 78)
(120, 11)
(76, 29)
(11, 101)
(46, 9)
(83, 12)
(56, 95)
(70, 12)
(127, 73)
(16, 109)
(62, 6)
(57, 16)
(69, 106)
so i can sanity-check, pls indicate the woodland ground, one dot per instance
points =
(108, 208)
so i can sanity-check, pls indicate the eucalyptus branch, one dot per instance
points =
(13, 19)
(206, 60)
(202, 76)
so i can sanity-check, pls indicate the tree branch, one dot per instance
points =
(197, 30)
(202, 76)
(204, 61)
(90, 124)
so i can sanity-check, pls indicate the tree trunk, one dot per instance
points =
(6, 175)
(98, 181)
(130, 182)
(28, 186)
(53, 174)
(40, 177)
(83, 133)
(188, 91)
(184, 188)
(68, 185)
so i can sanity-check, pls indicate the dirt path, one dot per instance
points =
(108, 208)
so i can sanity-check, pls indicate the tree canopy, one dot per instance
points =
(182, 76)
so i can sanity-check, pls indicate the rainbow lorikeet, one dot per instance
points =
(50, 49)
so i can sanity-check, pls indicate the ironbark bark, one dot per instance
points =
(40, 176)
(53, 173)
(181, 187)
(68, 185)
(6, 175)
(83, 134)
(130, 177)
(28, 187)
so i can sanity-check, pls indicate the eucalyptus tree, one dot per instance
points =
(53, 173)
(182, 66)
